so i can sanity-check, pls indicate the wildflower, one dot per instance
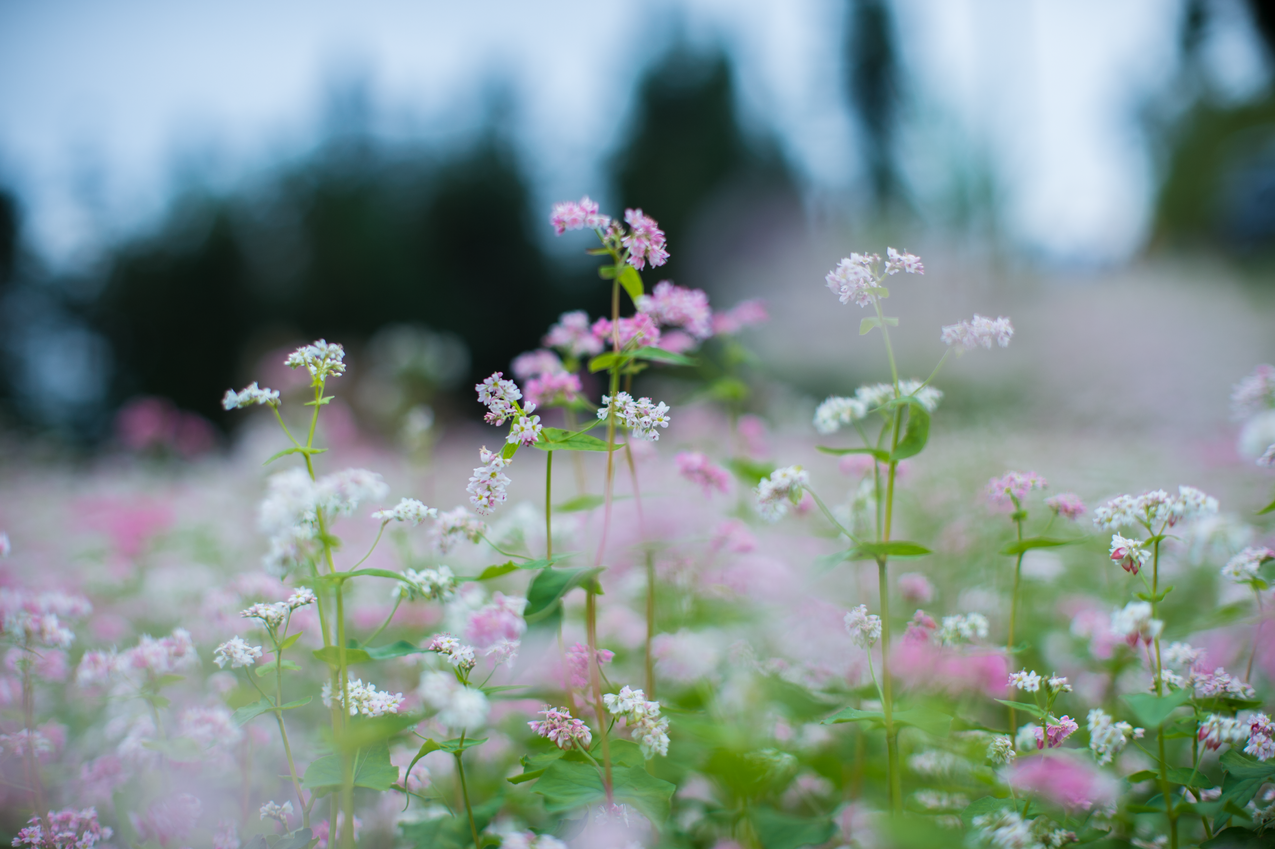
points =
(645, 241)
(1220, 683)
(364, 698)
(642, 417)
(210, 727)
(784, 486)
(250, 394)
(638, 330)
(920, 628)
(1217, 729)
(272, 811)
(744, 314)
(1134, 623)
(1053, 735)
(1056, 684)
(407, 510)
(288, 516)
(647, 727)
(573, 335)
(273, 615)
(1108, 738)
(674, 306)
(837, 411)
(561, 729)
(1003, 829)
(896, 261)
(497, 621)
(237, 653)
(697, 468)
(498, 395)
(301, 597)
(570, 215)
(536, 363)
(1066, 504)
(503, 651)
(454, 525)
(1243, 567)
(488, 483)
(67, 828)
(1261, 741)
(1028, 682)
(962, 628)
(456, 705)
(1001, 750)
(1131, 554)
(864, 628)
(432, 584)
(1254, 393)
(577, 663)
(164, 656)
(968, 335)
(1014, 485)
(1154, 508)
(340, 493)
(1182, 655)
(323, 360)
(552, 388)
(853, 279)
(526, 430)
(457, 653)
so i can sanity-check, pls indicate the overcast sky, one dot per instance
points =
(105, 107)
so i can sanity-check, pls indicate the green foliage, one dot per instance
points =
(567, 786)
(1151, 711)
(915, 433)
(331, 655)
(398, 648)
(548, 587)
(882, 550)
(371, 769)
(556, 439)
(450, 832)
(777, 830)
(1024, 545)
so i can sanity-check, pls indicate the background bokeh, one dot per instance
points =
(186, 190)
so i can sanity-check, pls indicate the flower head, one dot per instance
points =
(674, 306)
(1218, 729)
(642, 417)
(642, 717)
(962, 628)
(783, 487)
(1028, 682)
(573, 335)
(432, 584)
(1243, 567)
(896, 261)
(455, 525)
(1066, 504)
(645, 240)
(968, 335)
(1000, 750)
(1261, 738)
(577, 664)
(1107, 738)
(498, 395)
(456, 705)
(561, 729)
(488, 483)
(250, 394)
(1013, 486)
(453, 650)
(697, 468)
(629, 331)
(1053, 734)
(322, 359)
(1131, 554)
(525, 431)
(552, 388)
(1134, 623)
(854, 279)
(364, 699)
(864, 628)
(408, 510)
(573, 215)
(236, 652)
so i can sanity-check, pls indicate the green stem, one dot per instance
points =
(1013, 618)
(892, 733)
(1165, 788)
(650, 622)
(595, 680)
(464, 792)
(385, 624)
(375, 542)
(549, 505)
(826, 512)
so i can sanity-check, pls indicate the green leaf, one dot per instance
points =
(659, 355)
(1189, 778)
(606, 361)
(1152, 711)
(1237, 838)
(881, 456)
(915, 433)
(893, 548)
(272, 668)
(426, 747)
(373, 770)
(331, 655)
(362, 732)
(1267, 509)
(497, 571)
(300, 839)
(567, 786)
(450, 832)
(1023, 545)
(557, 439)
(749, 471)
(852, 714)
(930, 721)
(632, 282)
(298, 703)
(290, 641)
(503, 688)
(551, 585)
(1025, 707)
(252, 711)
(867, 324)
(580, 503)
(284, 453)
(398, 648)
(1142, 775)
(777, 830)
(634, 786)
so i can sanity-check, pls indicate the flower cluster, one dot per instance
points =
(1255, 393)
(980, 330)
(500, 396)
(697, 468)
(407, 510)
(237, 653)
(561, 729)
(364, 699)
(498, 622)
(1000, 750)
(1028, 682)
(1108, 738)
(838, 411)
(896, 261)
(854, 279)
(863, 627)
(250, 394)
(289, 514)
(577, 664)
(628, 331)
(1154, 509)
(1054, 733)
(67, 829)
(642, 417)
(457, 653)
(1066, 504)
(165, 656)
(962, 629)
(1013, 486)
(1131, 554)
(432, 584)
(488, 484)
(1261, 738)
(1134, 622)
(553, 388)
(455, 525)
(455, 705)
(573, 335)
(644, 241)
(775, 493)
(573, 215)
(642, 718)
(674, 306)
(274, 811)
(1243, 567)
(321, 359)
(35, 619)
(1217, 729)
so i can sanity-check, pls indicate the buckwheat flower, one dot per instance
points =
(642, 417)
(1003, 830)
(570, 215)
(1000, 750)
(1217, 730)
(916, 588)
(645, 240)
(1268, 456)
(408, 510)
(674, 306)
(1119, 512)
(499, 620)
(636, 331)
(67, 829)
(1130, 554)
(777, 492)
(896, 261)
(273, 615)
(364, 699)
(1220, 683)
(498, 395)
(26, 742)
(837, 411)
(853, 279)
(321, 359)
(1254, 393)
(488, 484)
(431, 584)
(1053, 734)
(453, 650)
(531, 364)
(968, 335)
(250, 394)
(164, 656)
(272, 811)
(1182, 655)
(340, 493)
(577, 664)
(1191, 504)
(301, 597)
(456, 705)
(1066, 504)
(742, 315)
(237, 653)
(561, 729)
(552, 388)
(1243, 567)
(525, 431)
(1057, 684)
(642, 717)
(503, 651)
(1001, 490)
(97, 668)
(455, 525)
(698, 469)
(572, 335)
(1134, 623)
(863, 627)
(1028, 682)
(962, 629)
(1108, 738)
(1261, 741)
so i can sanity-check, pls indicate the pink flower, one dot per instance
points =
(645, 242)
(1054, 735)
(535, 363)
(743, 314)
(1063, 779)
(499, 620)
(572, 335)
(169, 820)
(920, 664)
(570, 215)
(67, 828)
(674, 306)
(552, 388)
(130, 523)
(1002, 491)
(916, 588)
(697, 468)
(1261, 742)
(1066, 504)
(561, 729)
(577, 662)
(734, 536)
(640, 328)
(896, 261)
(853, 279)
(920, 628)
(677, 342)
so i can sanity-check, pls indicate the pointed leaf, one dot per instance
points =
(659, 355)
(290, 641)
(1152, 710)
(557, 439)
(882, 456)
(893, 548)
(580, 503)
(331, 655)
(1023, 545)
(632, 282)
(1267, 509)
(551, 585)
(399, 648)
(915, 433)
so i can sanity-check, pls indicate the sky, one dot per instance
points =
(106, 108)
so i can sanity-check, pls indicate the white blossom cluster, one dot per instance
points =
(642, 416)
(1108, 738)
(1134, 622)
(1243, 567)
(1000, 750)
(407, 510)
(364, 699)
(237, 653)
(454, 525)
(962, 629)
(649, 729)
(250, 394)
(776, 492)
(838, 411)
(272, 811)
(272, 615)
(1217, 730)
(854, 279)
(1028, 682)
(36, 619)
(488, 483)
(453, 650)
(432, 584)
(456, 705)
(498, 395)
(322, 359)
(864, 628)
(289, 514)
(980, 330)
(1154, 509)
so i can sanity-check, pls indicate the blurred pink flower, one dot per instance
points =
(919, 664)
(753, 434)
(499, 620)
(697, 468)
(743, 314)
(1064, 779)
(915, 588)
(129, 522)
(149, 423)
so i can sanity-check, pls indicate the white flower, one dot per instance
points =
(525, 431)
(237, 653)
(364, 699)
(322, 359)
(457, 706)
(836, 411)
(896, 261)
(1134, 623)
(1218, 729)
(1108, 738)
(641, 417)
(340, 493)
(1028, 682)
(1243, 567)
(853, 279)
(1057, 684)
(963, 628)
(1001, 750)
(488, 483)
(433, 584)
(408, 510)
(273, 615)
(453, 525)
(968, 335)
(301, 597)
(1182, 655)
(277, 812)
(250, 394)
(648, 728)
(783, 486)
(864, 628)
(457, 653)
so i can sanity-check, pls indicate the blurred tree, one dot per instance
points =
(873, 87)
(8, 237)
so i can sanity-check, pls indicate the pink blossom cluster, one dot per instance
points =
(487, 486)
(980, 330)
(854, 279)
(561, 729)
(35, 619)
(164, 656)
(744, 314)
(577, 664)
(1220, 683)
(499, 396)
(896, 261)
(643, 417)
(168, 820)
(1254, 393)
(501, 620)
(577, 215)
(698, 469)
(1261, 738)
(1013, 486)
(920, 627)
(67, 829)
(573, 335)
(553, 388)
(1217, 730)
(535, 363)
(1053, 734)
(675, 306)
(457, 654)
(645, 240)
(639, 330)
(1066, 504)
